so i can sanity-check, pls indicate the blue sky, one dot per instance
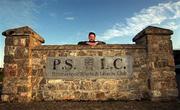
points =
(69, 21)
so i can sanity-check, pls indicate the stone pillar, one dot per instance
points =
(19, 43)
(160, 61)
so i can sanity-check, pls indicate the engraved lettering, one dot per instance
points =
(89, 67)
(102, 63)
(116, 61)
(69, 62)
(56, 62)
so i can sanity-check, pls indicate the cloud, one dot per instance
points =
(70, 18)
(67, 13)
(17, 12)
(52, 14)
(164, 15)
(171, 25)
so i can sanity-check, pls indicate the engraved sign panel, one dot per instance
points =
(88, 67)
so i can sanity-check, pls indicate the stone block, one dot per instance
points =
(22, 89)
(162, 85)
(10, 70)
(84, 96)
(8, 41)
(86, 85)
(100, 96)
(9, 89)
(110, 85)
(21, 53)
(9, 59)
(19, 41)
(23, 71)
(67, 95)
(163, 75)
(166, 94)
(10, 50)
(5, 98)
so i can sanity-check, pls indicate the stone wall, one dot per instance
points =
(160, 61)
(153, 76)
(128, 88)
(18, 63)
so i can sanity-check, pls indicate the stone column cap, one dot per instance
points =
(22, 31)
(152, 30)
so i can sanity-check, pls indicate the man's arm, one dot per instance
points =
(101, 43)
(82, 43)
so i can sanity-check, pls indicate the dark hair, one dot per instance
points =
(92, 33)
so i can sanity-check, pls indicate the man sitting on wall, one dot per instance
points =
(92, 40)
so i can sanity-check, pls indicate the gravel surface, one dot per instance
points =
(89, 105)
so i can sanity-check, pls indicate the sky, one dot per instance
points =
(69, 21)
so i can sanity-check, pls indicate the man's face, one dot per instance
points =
(92, 37)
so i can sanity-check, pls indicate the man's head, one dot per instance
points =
(92, 36)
